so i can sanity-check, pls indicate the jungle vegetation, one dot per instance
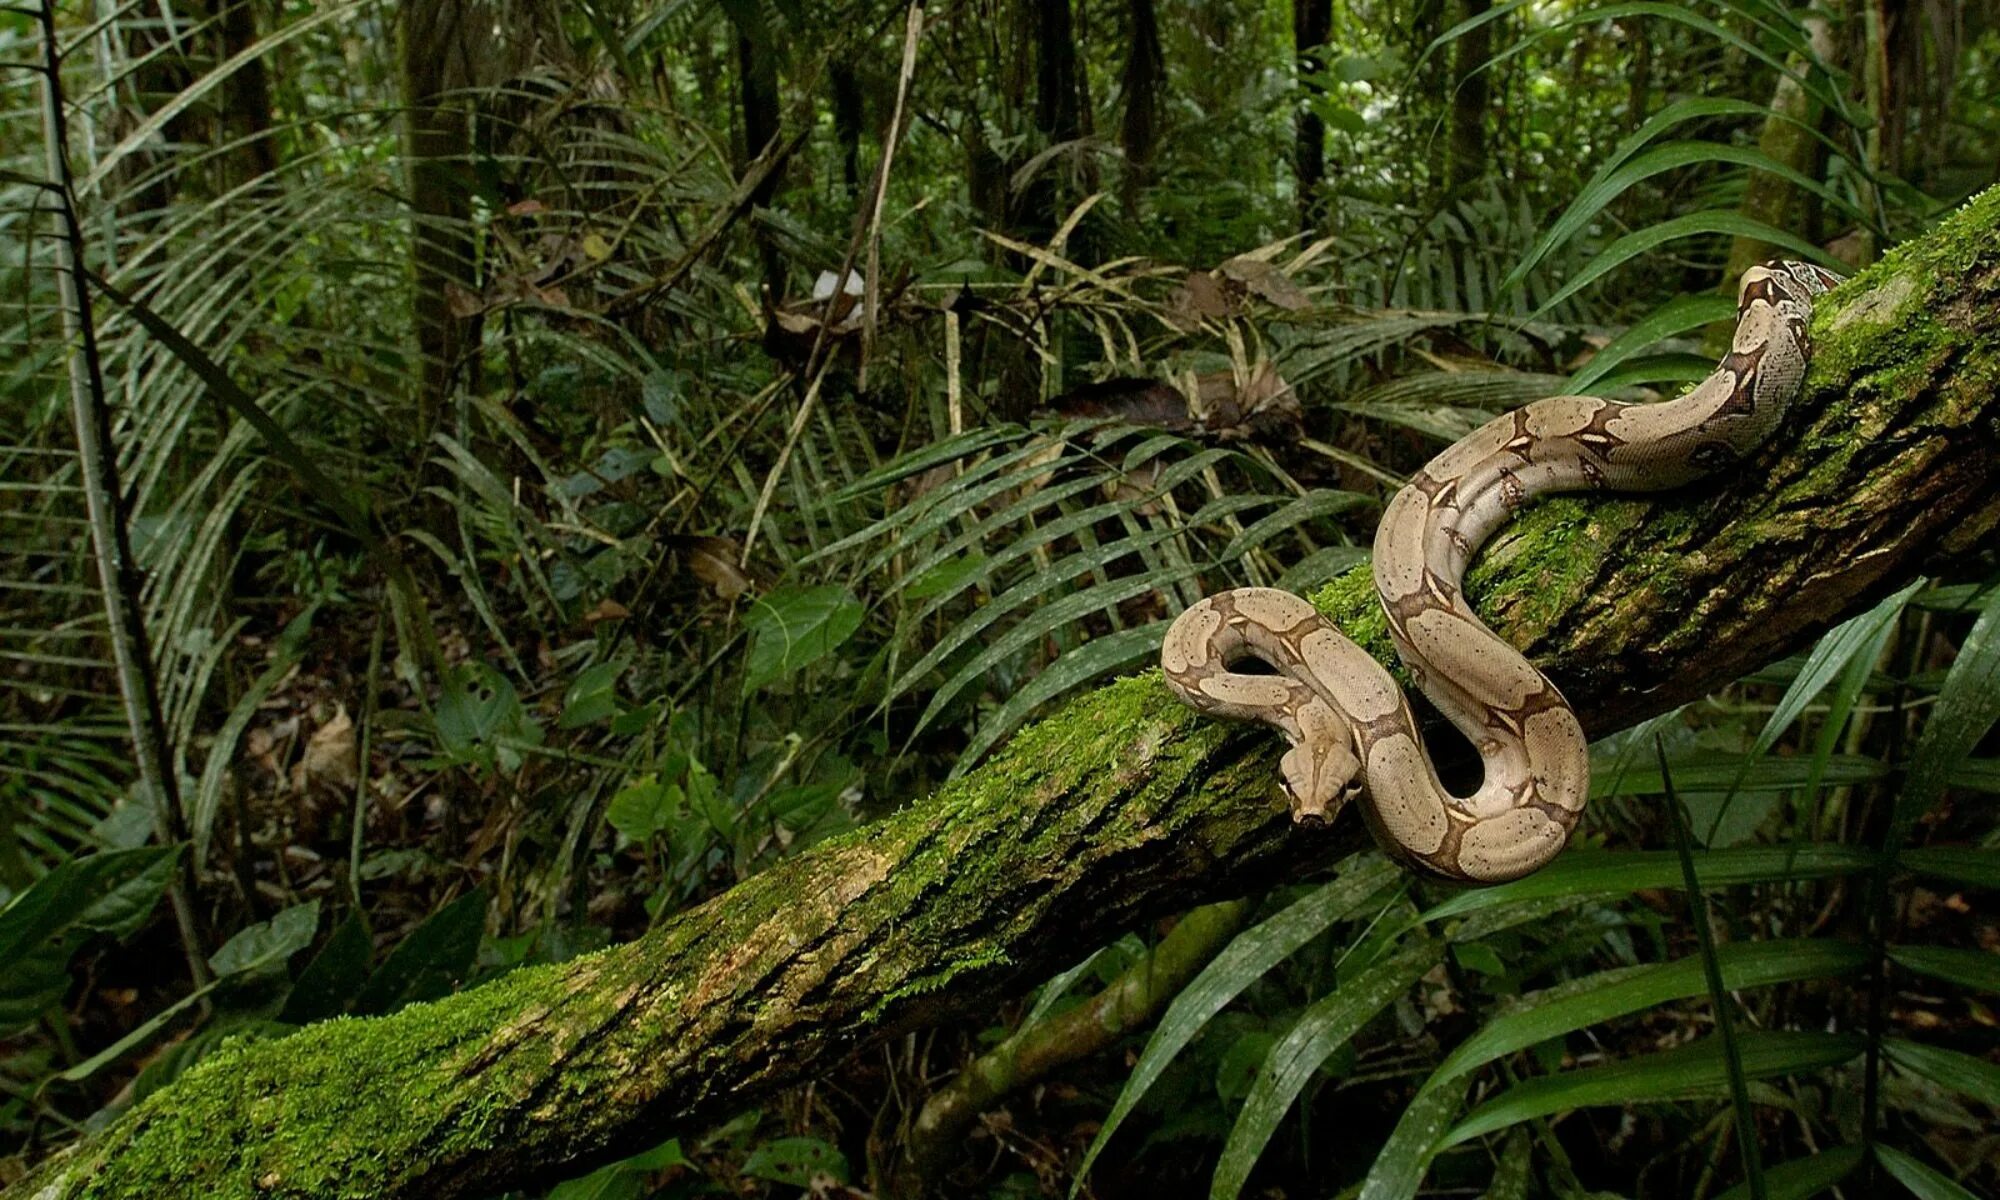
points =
(577, 585)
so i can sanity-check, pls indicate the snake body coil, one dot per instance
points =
(1351, 728)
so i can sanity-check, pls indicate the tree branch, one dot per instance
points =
(1122, 808)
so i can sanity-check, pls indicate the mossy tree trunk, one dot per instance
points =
(1122, 808)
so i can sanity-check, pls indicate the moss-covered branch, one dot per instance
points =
(1122, 808)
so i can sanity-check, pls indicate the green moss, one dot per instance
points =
(932, 981)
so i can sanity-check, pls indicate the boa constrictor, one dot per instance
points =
(1351, 730)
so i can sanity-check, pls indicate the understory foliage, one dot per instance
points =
(574, 456)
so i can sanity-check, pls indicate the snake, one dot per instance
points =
(1352, 734)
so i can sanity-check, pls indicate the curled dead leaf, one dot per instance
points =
(606, 609)
(713, 561)
(1200, 297)
(330, 758)
(1266, 282)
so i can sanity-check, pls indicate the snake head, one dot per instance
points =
(1321, 773)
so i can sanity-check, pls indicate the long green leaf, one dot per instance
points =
(1094, 658)
(1622, 872)
(1671, 319)
(1699, 108)
(1949, 1069)
(1405, 1157)
(1566, 1008)
(1924, 1182)
(1632, 245)
(1698, 1069)
(1967, 706)
(1979, 969)
(1859, 637)
(1803, 1177)
(1322, 1028)
(1960, 864)
(1242, 963)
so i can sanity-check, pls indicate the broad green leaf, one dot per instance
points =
(614, 1182)
(1802, 1177)
(1696, 1069)
(1324, 1027)
(267, 944)
(793, 627)
(1242, 963)
(1978, 969)
(1949, 1069)
(111, 892)
(643, 808)
(592, 696)
(434, 959)
(478, 714)
(1515, 1170)
(1924, 1182)
(126, 907)
(947, 577)
(1622, 872)
(334, 977)
(796, 1161)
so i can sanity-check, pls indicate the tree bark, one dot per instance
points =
(1139, 130)
(1471, 96)
(246, 94)
(757, 93)
(1122, 808)
(1057, 110)
(441, 42)
(1312, 25)
(847, 118)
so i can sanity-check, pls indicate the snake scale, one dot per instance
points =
(1351, 730)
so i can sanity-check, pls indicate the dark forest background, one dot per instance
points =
(573, 455)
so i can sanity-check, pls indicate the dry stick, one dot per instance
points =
(773, 157)
(872, 231)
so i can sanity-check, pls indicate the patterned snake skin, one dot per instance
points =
(1351, 730)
